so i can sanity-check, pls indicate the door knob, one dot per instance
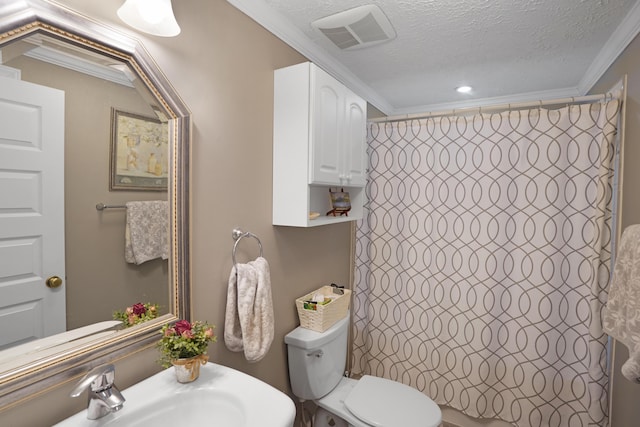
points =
(54, 282)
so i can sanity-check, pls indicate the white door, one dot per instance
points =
(31, 211)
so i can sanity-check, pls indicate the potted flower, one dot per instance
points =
(184, 345)
(137, 313)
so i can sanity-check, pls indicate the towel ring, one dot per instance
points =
(237, 235)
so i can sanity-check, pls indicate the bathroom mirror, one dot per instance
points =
(28, 23)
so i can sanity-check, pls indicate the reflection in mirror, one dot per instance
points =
(90, 255)
(121, 134)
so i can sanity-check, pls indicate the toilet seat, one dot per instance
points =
(381, 402)
(378, 402)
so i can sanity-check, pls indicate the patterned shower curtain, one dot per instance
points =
(483, 261)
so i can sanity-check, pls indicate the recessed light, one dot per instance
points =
(464, 89)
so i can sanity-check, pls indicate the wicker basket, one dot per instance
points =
(324, 316)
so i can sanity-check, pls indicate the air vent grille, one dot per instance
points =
(341, 37)
(368, 30)
(356, 28)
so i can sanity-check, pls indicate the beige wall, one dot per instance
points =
(626, 395)
(98, 280)
(222, 65)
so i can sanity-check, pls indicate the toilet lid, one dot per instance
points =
(385, 403)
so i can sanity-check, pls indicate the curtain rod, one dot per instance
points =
(468, 110)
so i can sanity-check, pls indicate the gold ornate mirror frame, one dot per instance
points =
(21, 18)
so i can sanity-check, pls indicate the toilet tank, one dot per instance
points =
(317, 359)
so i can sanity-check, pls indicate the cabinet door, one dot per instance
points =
(327, 118)
(355, 143)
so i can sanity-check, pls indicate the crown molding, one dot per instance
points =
(56, 57)
(516, 98)
(619, 40)
(277, 24)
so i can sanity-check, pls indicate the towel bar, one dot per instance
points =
(102, 206)
(237, 235)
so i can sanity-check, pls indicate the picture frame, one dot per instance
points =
(139, 152)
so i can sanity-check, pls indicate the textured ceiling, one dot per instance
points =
(502, 48)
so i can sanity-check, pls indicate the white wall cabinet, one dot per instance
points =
(319, 143)
(338, 138)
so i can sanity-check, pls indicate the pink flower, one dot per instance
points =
(184, 339)
(181, 326)
(132, 319)
(139, 309)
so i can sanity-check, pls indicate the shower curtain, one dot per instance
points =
(483, 260)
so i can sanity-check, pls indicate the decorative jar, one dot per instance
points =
(188, 370)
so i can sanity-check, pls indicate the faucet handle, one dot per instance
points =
(99, 378)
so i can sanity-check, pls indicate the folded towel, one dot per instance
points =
(621, 316)
(248, 323)
(146, 231)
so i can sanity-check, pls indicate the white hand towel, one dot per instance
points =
(248, 323)
(146, 231)
(631, 368)
(621, 317)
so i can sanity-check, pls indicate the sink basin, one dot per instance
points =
(220, 396)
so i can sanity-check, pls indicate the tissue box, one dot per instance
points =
(325, 315)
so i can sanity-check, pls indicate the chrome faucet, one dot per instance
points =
(103, 397)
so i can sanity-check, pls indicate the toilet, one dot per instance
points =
(317, 363)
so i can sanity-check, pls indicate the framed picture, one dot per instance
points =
(139, 152)
(340, 203)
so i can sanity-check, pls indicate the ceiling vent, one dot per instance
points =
(356, 28)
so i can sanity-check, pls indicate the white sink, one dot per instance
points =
(220, 396)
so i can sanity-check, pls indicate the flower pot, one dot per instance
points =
(188, 370)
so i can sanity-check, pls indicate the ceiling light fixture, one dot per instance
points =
(150, 16)
(464, 89)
